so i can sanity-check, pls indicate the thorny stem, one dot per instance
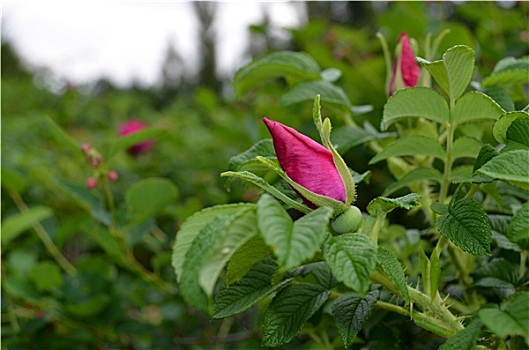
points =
(44, 236)
(434, 311)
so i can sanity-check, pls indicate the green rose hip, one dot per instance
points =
(348, 221)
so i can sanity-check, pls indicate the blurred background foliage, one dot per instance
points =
(105, 304)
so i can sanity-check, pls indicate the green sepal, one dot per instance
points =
(325, 133)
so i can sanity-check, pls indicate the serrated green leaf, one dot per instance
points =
(499, 130)
(411, 146)
(518, 135)
(124, 142)
(292, 243)
(289, 310)
(519, 226)
(465, 339)
(199, 251)
(193, 225)
(245, 293)
(500, 225)
(476, 107)
(486, 153)
(382, 205)
(501, 97)
(148, 197)
(286, 64)
(416, 175)
(322, 273)
(393, 269)
(418, 102)
(509, 71)
(511, 318)
(497, 273)
(510, 167)
(248, 254)
(265, 186)
(306, 91)
(352, 259)
(467, 225)
(264, 148)
(351, 313)
(242, 227)
(14, 225)
(454, 71)
(466, 147)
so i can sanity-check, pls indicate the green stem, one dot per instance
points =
(450, 129)
(110, 198)
(436, 317)
(44, 236)
(392, 307)
(224, 330)
(376, 228)
(138, 267)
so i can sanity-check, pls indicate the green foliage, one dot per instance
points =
(352, 259)
(393, 269)
(292, 243)
(148, 197)
(510, 318)
(92, 268)
(467, 225)
(409, 103)
(454, 71)
(17, 224)
(351, 313)
(289, 310)
(255, 285)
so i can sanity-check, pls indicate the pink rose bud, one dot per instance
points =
(133, 126)
(405, 69)
(112, 175)
(95, 160)
(306, 162)
(85, 147)
(91, 183)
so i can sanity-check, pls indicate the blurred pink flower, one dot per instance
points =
(112, 175)
(306, 162)
(91, 183)
(130, 127)
(405, 69)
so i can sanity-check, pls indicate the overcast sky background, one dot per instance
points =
(127, 41)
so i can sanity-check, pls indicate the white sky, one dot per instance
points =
(81, 41)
